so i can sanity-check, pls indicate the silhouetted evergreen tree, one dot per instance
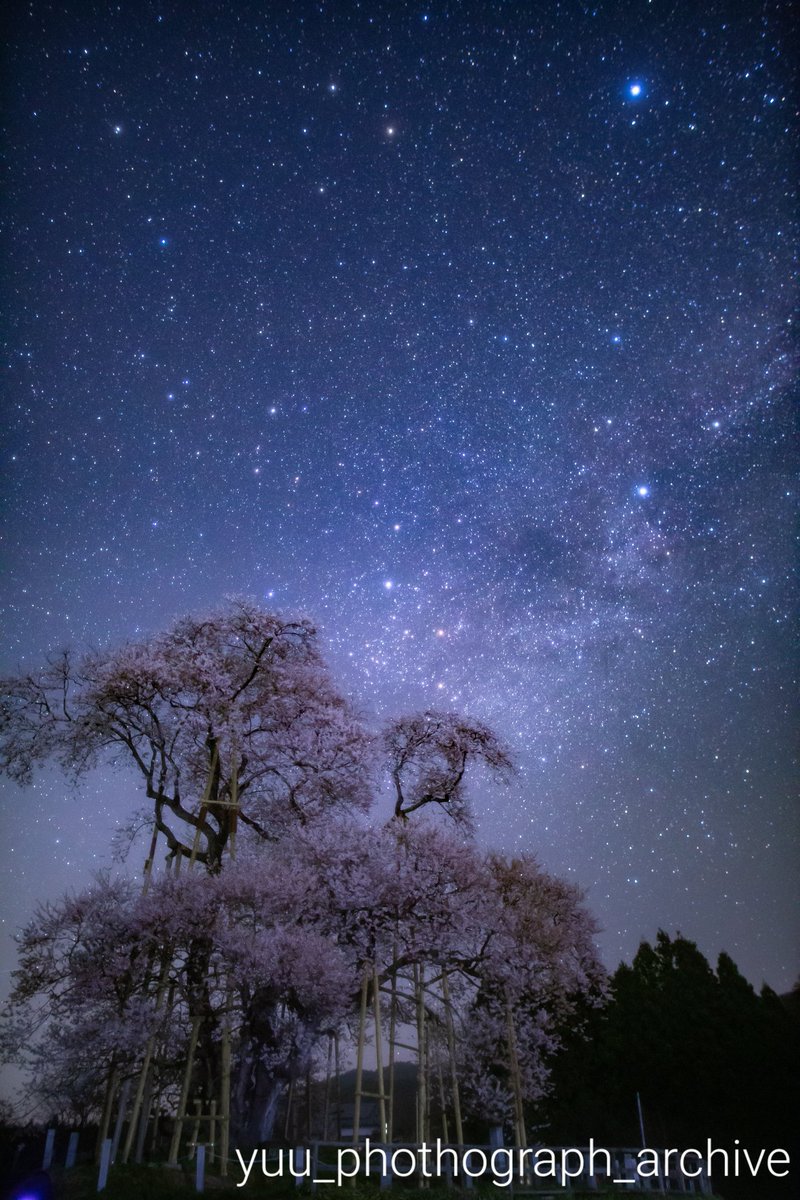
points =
(709, 1057)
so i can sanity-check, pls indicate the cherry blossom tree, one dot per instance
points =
(234, 718)
(276, 945)
(93, 976)
(428, 755)
(231, 717)
(80, 1006)
(539, 967)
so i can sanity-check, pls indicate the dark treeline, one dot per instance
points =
(708, 1056)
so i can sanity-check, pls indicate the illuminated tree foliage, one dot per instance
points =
(236, 715)
(238, 703)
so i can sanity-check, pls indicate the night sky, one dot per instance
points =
(463, 328)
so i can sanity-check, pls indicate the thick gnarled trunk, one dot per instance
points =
(262, 1073)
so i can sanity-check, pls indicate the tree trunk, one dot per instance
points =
(259, 1081)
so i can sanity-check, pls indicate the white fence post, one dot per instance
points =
(123, 1107)
(105, 1160)
(200, 1168)
(49, 1141)
(299, 1160)
(386, 1170)
(72, 1150)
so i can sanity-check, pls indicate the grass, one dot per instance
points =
(162, 1183)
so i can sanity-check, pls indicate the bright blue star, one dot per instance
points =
(643, 491)
(635, 90)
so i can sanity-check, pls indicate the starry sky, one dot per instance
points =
(465, 329)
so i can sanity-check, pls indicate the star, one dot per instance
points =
(521, 339)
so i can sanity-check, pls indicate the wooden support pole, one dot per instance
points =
(194, 1139)
(213, 1149)
(187, 1075)
(326, 1107)
(148, 864)
(225, 1090)
(287, 1127)
(443, 1104)
(154, 1130)
(105, 1122)
(187, 1079)
(125, 1091)
(362, 1027)
(516, 1078)
(451, 1052)
(376, 1004)
(428, 1084)
(145, 1068)
(144, 1075)
(212, 770)
(422, 1083)
(392, 1046)
(337, 1072)
(144, 1117)
(225, 1054)
(234, 805)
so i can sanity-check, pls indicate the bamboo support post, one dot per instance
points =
(443, 1104)
(225, 1055)
(148, 864)
(428, 1085)
(392, 1039)
(376, 1004)
(337, 1071)
(326, 1106)
(362, 1023)
(422, 1088)
(451, 1051)
(516, 1079)
(144, 1076)
(225, 1094)
(145, 1068)
(234, 825)
(201, 817)
(195, 1134)
(156, 1107)
(289, 1107)
(105, 1122)
(212, 1131)
(125, 1091)
(379, 1053)
(144, 1118)
(187, 1079)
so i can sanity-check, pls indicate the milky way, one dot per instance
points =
(464, 329)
